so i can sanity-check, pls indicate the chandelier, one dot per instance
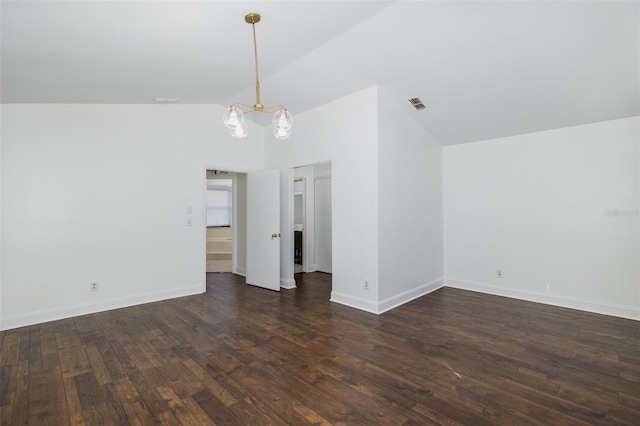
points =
(233, 117)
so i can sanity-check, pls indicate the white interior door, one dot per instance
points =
(322, 202)
(263, 229)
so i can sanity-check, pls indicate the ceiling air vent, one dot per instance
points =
(417, 103)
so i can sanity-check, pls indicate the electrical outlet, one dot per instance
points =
(499, 273)
(93, 286)
(366, 285)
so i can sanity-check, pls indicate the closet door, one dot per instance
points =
(322, 213)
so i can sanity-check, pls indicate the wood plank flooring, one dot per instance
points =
(242, 355)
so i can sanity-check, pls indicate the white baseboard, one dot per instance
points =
(622, 311)
(355, 302)
(287, 283)
(311, 268)
(409, 295)
(55, 314)
(241, 272)
(387, 304)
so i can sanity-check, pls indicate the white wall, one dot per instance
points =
(536, 206)
(86, 189)
(323, 134)
(100, 193)
(410, 205)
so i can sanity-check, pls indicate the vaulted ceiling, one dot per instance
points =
(484, 69)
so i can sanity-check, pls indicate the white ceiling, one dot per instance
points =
(484, 69)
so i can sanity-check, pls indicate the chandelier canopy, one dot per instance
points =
(233, 117)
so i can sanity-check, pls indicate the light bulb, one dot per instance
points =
(240, 131)
(232, 117)
(281, 133)
(282, 119)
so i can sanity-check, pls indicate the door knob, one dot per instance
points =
(275, 235)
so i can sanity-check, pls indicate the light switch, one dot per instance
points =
(189, 221)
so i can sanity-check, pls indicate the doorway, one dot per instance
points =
(312, 219)
(225, 233)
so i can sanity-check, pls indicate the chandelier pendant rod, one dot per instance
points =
(258, 106)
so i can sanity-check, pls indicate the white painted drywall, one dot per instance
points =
(410, 205)
(83, 200)
(538, 207)
(100, 193)
(325, 134)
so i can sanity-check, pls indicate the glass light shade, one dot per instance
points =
(232, 117)
(282, 133)
(240, 131)
(282, 119)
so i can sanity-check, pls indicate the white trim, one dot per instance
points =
(54, 314)
(355, 302)
(310, 268)
(203, 233)
(622, 311)
(234, 222)
(387, 304)
(304, 223)
(287, 284)
(409, 295)
(241, 271)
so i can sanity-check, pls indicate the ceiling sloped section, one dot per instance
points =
(483, 69)
(135, 51)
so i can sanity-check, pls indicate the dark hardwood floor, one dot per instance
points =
(242, 355)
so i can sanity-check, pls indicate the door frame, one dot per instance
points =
(203, 228)
(287, 258)
(304, 225)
